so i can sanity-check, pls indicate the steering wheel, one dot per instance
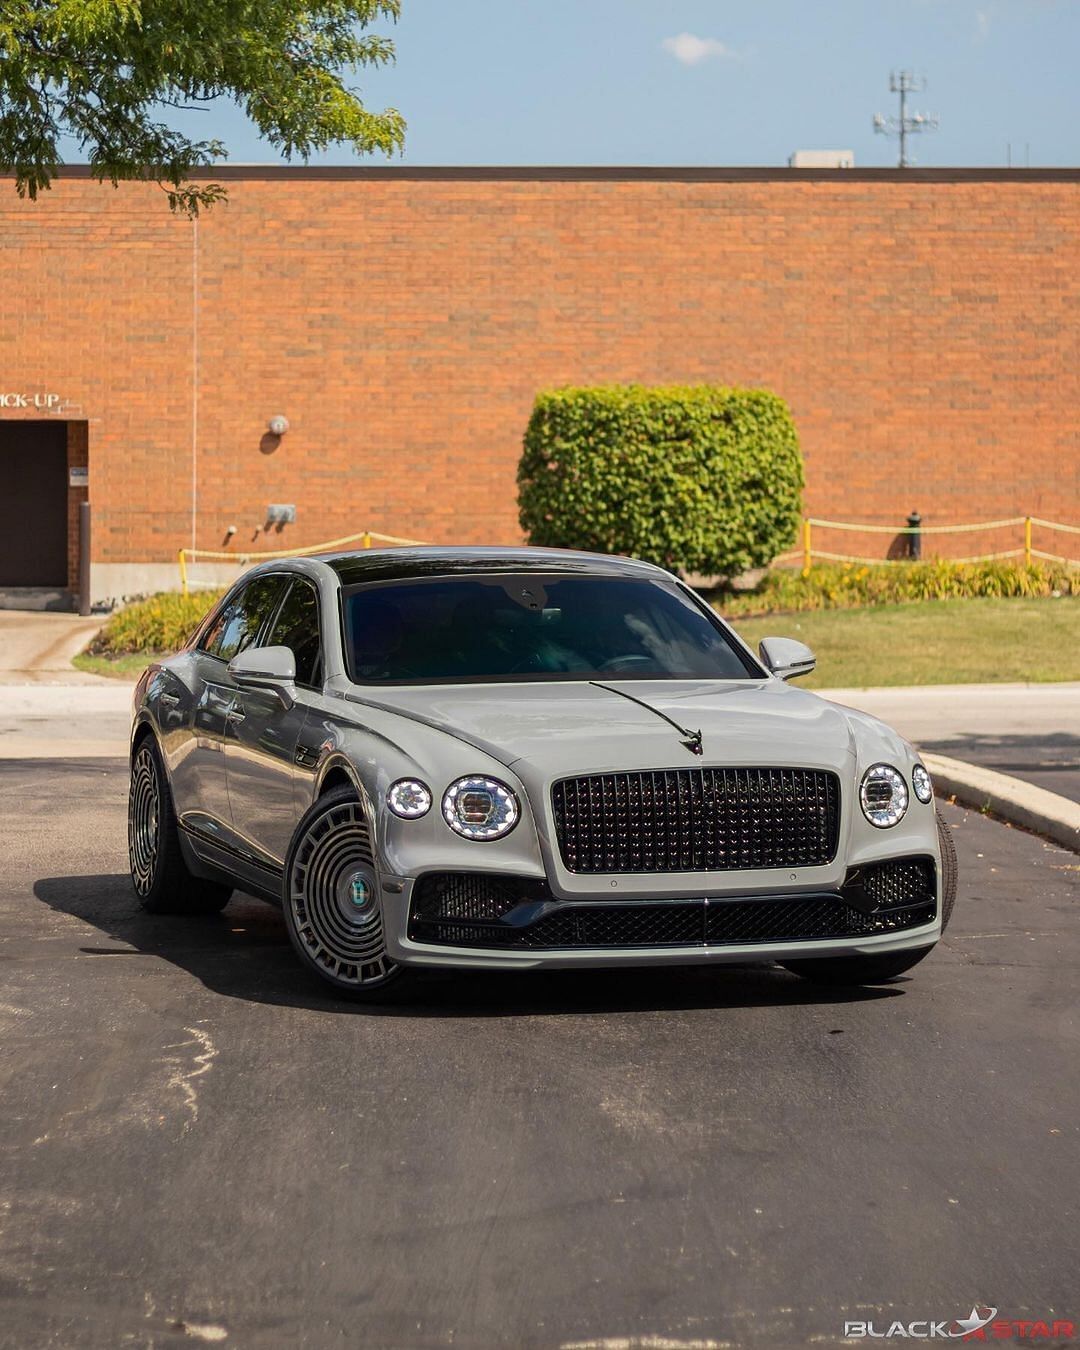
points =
(549, 663)
(621, 662)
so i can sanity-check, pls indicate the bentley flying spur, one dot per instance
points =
(517, 759)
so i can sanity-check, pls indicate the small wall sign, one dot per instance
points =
(42, 402)
(78, 476)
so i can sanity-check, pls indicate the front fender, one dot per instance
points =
(875, 742)
(375, 755)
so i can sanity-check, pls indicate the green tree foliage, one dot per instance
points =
(104, 73)
(695, 478)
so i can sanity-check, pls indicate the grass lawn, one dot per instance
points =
(933, 642)
(128, 667)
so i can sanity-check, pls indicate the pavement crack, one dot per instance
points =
(185, 1072)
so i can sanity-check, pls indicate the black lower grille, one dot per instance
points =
(476, 910)
(697, 820)
(800, 920)
(905, 881)
(473, 895)
(691, 924)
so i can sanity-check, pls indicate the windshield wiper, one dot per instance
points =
(692, 739)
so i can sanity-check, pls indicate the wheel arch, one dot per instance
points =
(337, 773)
(143, 730)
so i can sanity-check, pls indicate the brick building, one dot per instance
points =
(924, 326)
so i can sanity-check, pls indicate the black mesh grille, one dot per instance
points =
(472, 895)
(679, 924)
(799, 920)
(907, 881)
(582, 926)
(697, 820)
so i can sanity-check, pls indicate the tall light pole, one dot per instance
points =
(904, 82)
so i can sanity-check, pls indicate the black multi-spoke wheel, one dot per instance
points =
(332, 904)
(158, 871)
(144, 819)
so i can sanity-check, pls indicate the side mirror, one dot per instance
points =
(787, 658)
(270, 668)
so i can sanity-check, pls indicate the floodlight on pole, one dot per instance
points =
(904, 82)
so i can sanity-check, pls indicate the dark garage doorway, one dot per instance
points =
(33, 491)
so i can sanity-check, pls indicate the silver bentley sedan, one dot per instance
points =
(522, 758)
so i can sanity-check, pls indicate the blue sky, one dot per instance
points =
(711, 82)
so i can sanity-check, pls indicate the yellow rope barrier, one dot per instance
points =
(918, 529)
(364, 539)
(900, 562)
(1055, 557)
(1027, 551)
(807, 553)
(1053, 525)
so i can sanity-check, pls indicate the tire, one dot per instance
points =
(878, 969)
(159, 874)
(333, 911)
(948, 870)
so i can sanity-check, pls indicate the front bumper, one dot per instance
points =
(480, 920)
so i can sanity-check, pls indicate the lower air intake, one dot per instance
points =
(460, 910)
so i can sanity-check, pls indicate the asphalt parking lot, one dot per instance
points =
(200, 1147)
(1050, 761)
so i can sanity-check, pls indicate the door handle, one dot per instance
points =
(235, 715)
(170, 700)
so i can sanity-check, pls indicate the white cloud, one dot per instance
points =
(691, 50)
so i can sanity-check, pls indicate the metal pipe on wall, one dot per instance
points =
(84, 558)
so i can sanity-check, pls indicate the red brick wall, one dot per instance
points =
(924, 331)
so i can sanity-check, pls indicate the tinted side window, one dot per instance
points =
(297, 627)
(239, 622)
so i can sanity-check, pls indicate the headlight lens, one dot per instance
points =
(480, 808)
(409, 798)
(920, 782)
(883, 795)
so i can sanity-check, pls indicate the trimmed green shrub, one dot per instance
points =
(696, 478)
(853, 585)
(162, 623)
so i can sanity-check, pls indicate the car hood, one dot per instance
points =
(569, 728)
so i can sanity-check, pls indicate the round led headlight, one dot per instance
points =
(920, 782)
(480, 808)
(409, 798)
(883, 795)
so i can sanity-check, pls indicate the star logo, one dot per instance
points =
(967, 1326)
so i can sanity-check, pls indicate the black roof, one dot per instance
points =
(400, 564)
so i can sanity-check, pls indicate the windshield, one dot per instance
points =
(450, 630)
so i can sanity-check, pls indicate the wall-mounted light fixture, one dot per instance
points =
(278, 426)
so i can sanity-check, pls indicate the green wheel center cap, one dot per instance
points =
(357, 893)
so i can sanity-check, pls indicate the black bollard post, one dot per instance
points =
(914, 538)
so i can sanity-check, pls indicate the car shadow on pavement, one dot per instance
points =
(244, 953)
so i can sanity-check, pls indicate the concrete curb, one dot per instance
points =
(1010, 798)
